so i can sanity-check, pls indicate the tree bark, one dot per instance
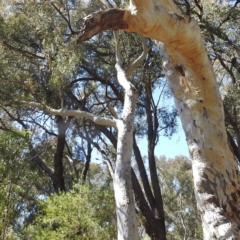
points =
(192, 81)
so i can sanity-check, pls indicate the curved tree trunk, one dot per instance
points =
(192, 81)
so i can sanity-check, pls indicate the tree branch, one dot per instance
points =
(139, 60)
(74, 113)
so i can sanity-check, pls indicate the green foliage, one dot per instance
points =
(181, 215)
(86, 212)
(15, 186)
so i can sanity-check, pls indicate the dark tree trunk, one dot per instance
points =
(58, 182)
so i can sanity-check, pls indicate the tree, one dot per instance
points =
(193, 83)
(20, 185)
(176, 179)
(122, 183)
(86, 212)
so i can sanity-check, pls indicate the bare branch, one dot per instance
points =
(118, 49)
(26, 53)
(70, 160)
(110, 167)
(121, 75)
(60, 5)
(139, 60)
(74, 113)
(65, 19)
(106, 160)
(113, 112)
(107, 82)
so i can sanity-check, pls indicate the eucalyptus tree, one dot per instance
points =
(34, 59)
(193, 83)
(40, 62)
(219, 23)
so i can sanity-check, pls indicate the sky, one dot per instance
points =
(177, 145)
(170, 147)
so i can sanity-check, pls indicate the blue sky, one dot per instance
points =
(177, 145)
(170, 147)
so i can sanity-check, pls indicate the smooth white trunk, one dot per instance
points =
(122, 183)
(125, 206)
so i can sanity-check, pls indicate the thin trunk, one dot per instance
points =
(151, 224)
(143, 175)
(152, 135)
(122, 182)
(58, 182)
(88, 158)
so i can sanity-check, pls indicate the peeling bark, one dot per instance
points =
(192, 81)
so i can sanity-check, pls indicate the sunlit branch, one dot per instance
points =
(117, 45)
(71, 163)
(139, 60)
(74, 113)
(113, 112)
(121, 75)
(110, 168)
